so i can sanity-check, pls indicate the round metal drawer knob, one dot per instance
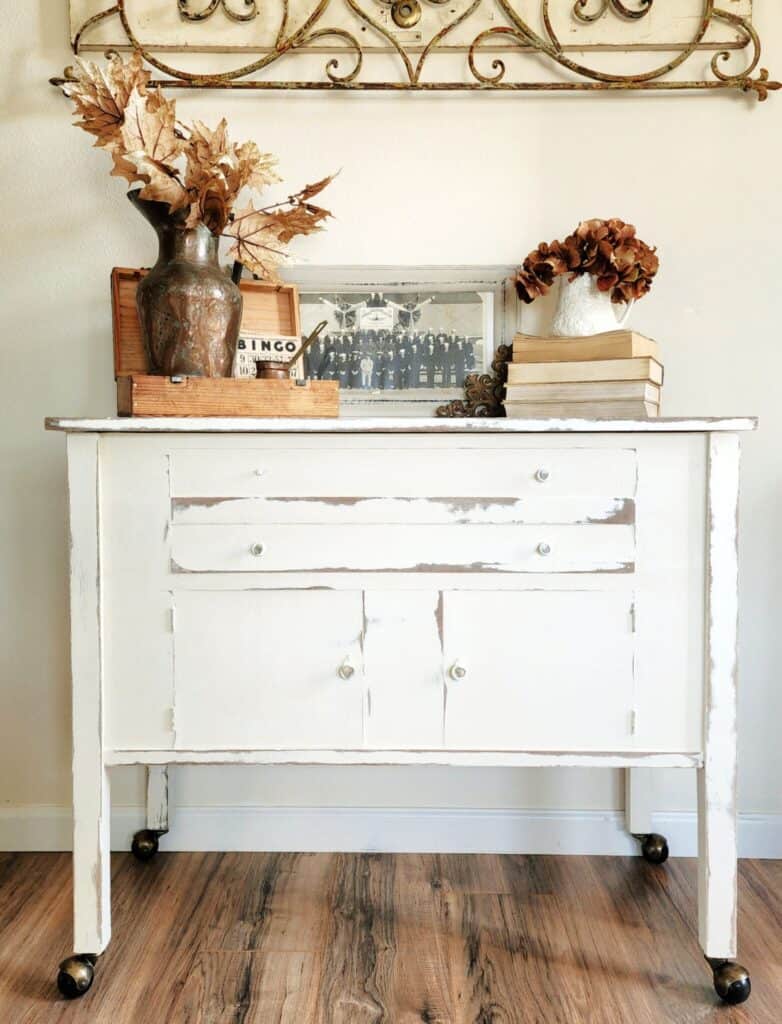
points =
(406, 13)
(542, 475)
(544, 548)
(346, 670)
(257, 550)
(457, 671)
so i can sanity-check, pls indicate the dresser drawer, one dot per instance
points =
(398, 548)
(394, 472)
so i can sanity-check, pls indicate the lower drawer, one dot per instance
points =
(402, 548)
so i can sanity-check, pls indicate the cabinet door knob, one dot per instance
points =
(544, 548)
(542, 475)
(346, 670)
(257, 549)
(457, 671)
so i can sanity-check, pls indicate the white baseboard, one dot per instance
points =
(391, 830)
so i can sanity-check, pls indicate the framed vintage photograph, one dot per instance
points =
(401, 340)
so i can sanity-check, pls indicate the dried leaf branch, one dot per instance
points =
(191, 168)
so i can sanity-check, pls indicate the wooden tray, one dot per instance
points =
(268, 309)
(148, 395)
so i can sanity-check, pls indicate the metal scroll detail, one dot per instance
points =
(307, 27)
(484, 393)
(189, 13)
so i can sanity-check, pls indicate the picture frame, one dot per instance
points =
(402, 339)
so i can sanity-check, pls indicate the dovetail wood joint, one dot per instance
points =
(483, 392)
(343, 69)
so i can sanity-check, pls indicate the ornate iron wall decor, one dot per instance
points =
(188, 11)
(421, 31)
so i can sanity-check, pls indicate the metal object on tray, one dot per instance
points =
(269, 369)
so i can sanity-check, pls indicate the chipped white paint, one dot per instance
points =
(419, 511)
(394, 425)
(404, 695)
(400, 553)
(157, 798)
(452, 758)
(91, 822)
(717, 842)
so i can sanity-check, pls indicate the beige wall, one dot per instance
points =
(425, 180)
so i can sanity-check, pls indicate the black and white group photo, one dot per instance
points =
(394, 341)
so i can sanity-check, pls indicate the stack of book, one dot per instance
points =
(614, 374)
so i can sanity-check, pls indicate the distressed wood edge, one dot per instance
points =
(157, 798)
(477, 758)
(399, 425)
(717, 791)
(91, 803)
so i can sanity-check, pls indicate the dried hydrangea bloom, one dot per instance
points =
(609, 250)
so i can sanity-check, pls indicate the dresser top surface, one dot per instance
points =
(397, 425)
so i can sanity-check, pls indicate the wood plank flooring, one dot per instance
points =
(363, 938)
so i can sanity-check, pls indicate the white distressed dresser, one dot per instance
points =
(358, 591)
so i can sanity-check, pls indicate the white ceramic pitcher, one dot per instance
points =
(582, 309)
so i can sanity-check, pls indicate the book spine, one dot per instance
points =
(640, 369)
(599, 391)
(587, 410)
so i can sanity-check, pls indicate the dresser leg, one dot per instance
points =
(91, 798)
(146, 842)
(717, 837)
(157, 798)
(639, 802)
(91, 875)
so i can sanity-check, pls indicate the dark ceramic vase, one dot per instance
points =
(190, 309)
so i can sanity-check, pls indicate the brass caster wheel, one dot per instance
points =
(74, 976)
(654, 848)
(145, 844)
(731, 981)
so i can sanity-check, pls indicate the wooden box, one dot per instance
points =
(268, 309)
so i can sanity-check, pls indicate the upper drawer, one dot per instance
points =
(395, 548)
(395, 472)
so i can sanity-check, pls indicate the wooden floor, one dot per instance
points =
(349, 939)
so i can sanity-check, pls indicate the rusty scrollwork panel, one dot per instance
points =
(448, 45)
(190, 12)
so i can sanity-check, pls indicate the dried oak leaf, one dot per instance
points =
(310, 191)
(211, 154)
(301, 219)
(256, 169)
(151, 147)
(100, 96)
(256, 242)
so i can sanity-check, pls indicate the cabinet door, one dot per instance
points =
(539, 670)
(261, 669)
